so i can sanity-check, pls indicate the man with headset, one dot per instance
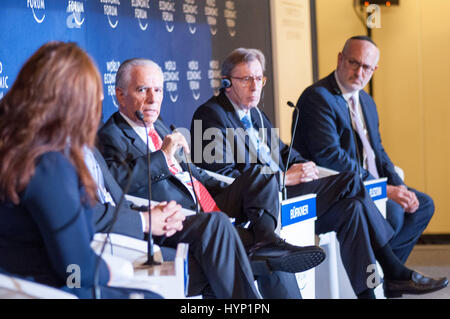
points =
(230, 134)
(251, 199)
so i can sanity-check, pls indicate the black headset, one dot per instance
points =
(226, 82)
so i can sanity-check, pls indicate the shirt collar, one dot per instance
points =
(240, 112)
(346, 94)
(140, 130)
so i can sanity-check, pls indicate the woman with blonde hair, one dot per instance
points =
(49, 115)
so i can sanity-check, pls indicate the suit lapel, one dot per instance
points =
(230, 111)
(130, 133)
(340, 101)
(368, 118)
(110, 183)
(233, 117)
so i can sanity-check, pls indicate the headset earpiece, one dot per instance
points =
(226, 83)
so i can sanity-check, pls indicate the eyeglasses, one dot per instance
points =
(247, 81)
(355, 65)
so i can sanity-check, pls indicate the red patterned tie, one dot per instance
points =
(204, 197)
(157, 143)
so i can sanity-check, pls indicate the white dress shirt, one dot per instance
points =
(347, 95)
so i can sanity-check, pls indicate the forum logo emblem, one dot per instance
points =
(76, 10)
(38, 9)
(190, 10)
(211, 13)
(3, 81)
(230, 14)
(194, 76)
(214, 76)
(167, 9)
(140, 12)
(171, 79)
(111, 11)
(109, 80)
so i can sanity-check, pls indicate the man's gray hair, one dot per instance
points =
(123, 73)
(242, 55)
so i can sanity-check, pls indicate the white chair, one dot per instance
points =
(12, 287)
(126, 257)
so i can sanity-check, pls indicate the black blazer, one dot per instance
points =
(51, 228)
(217, 115)
(128, 220)
(325, 132)
(118, 139)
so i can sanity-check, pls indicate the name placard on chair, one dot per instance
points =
(377, 188)
(297, 209)
(298, 215)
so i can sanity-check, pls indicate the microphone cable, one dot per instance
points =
(150, 253)
(96, 288)
(174, 129)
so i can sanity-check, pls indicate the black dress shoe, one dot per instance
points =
(281, 256)
(417, 285)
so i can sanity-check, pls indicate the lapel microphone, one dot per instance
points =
(174, 129)
(150, 252)
(294, 128)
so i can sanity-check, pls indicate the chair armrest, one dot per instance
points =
(220, 177)
(325, 172)
(400, 172)
(131, 249)
(138, 201)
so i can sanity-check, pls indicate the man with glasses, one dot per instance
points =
(338, 128)
(252, 199)
(230, 134)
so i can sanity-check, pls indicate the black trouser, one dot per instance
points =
(218, 256)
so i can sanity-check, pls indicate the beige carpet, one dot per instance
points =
(432, 260)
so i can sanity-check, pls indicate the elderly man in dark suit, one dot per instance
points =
(205, 275)
(244, 137)
(338, 129)
(252, 199)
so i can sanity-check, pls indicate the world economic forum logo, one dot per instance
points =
(38, 9)
(140, 12)
(109, 79)
(171, 79)
(194, 76)
(111, 11)
(230, 14)
(167, 9)
(214, 76)
(76, 18)
(190, 10)
(3, 81)
(211, 13)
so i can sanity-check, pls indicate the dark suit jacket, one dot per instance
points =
(51, 228)
(117, 138)
(217, 115)
(128, 221)
(325, 133)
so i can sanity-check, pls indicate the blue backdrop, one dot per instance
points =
(187, 38)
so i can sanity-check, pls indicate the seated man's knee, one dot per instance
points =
(395, 215)
(426, 203)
